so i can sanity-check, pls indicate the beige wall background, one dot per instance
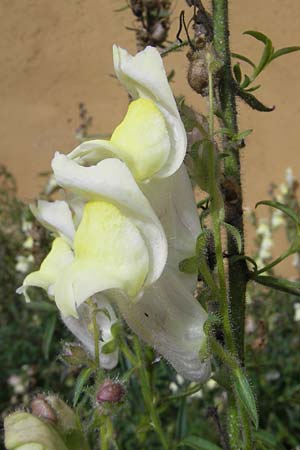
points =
(56, 53)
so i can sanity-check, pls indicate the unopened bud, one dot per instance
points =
(110, 391)
(74, 354)
(41, 408)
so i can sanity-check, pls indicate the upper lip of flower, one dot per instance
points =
(145, 79)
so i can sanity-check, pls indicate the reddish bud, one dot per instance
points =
(41, 408)
(110, 391)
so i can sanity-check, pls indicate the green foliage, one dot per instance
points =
(30, 334)
(244, 83)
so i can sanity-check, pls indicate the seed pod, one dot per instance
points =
(41, 408)
(197, 72)
(110, 391)
(158, 33)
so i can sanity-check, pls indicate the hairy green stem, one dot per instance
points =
(216, 210)
(147, 395)
(231, 186)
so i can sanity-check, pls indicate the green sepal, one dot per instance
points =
(189, 265)
(81, 381)
(245, 395)
(234, 232)
(109, 347)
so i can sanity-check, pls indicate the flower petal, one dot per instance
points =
(173, 201)
(170, 319)
(142, 139)
(57, 259)
(55, 216)
(143, 75)
(81, 328)
(111, 180)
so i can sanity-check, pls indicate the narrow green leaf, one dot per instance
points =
(48, 335)
(285, 209)
(243, 58)
(253, 102)
(280, 284)
(246, 82)
(203, 202)
(198, 443)
(123, 8)
(189, 265)
(254, 88)
(171, 75)
(266, 438)
(257, 35)
(242, 135)
(284, 51)
(80, 382)
(235, 234)
(264, 60)
(181, 421)
(245, 394)
(237, 72)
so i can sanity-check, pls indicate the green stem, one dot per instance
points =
(103, 437)
(96, 337)
(237, 271)
(216, 211)
(147, 395)
(276, 261)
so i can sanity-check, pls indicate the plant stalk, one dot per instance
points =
(231, 185)
(147, 395)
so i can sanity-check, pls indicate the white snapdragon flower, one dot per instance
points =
(130, 217)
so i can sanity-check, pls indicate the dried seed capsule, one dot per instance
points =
(110, 391)
(158, 33)
(197, 72)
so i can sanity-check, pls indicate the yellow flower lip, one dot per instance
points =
(142, 139)
(110, 253)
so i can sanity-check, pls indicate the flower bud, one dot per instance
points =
(41, 408)
(74, 354)
(110, 391)
(26, 431)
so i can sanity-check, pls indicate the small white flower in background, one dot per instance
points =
(277, 219)
(14, 380)
(198, 394)
(273, 375)
(129, 219)
(266, 244)
(211, 384)
(283, 189)
(173, 387)
(24, 263)
(296, 261)
(289, 177)
(297, 312)
(28, 243)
